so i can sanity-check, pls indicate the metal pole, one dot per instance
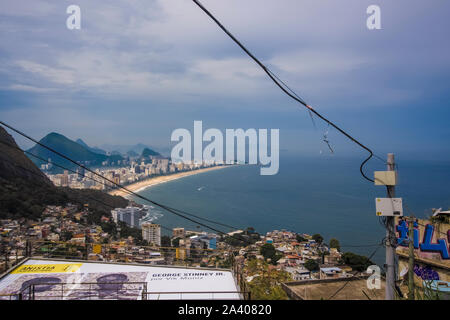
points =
(390, 237)
(411, 259)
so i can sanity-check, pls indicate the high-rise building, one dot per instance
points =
(65, 179)
(152, 233)
(130, 215)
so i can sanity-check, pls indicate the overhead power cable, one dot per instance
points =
(103, 183)
(287, 90)
(353, 276)
(81, 203)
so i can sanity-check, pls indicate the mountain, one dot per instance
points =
(132, 154)
(25, 190)
(71, 149)
(92, 149)
(149, 152)
(13, 163)
(115, 153)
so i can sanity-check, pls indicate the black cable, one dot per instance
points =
(293, 96)
(83, 175)
(81, 203)
(89, 197)
(73, 171)
(353, 276)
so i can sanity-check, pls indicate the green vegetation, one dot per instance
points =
(66, 236)
(357, 262)
(268, 252)
(67, 147)
(149, 152)
(318, 238)
(242, 239)
(20, 199)
(266, 284)
(299, 238)
(127, 231)
(95, 150)
(226, 263)
(176, 242)
(311, 265)
(334, 243)
(165, 241)
(25, 191)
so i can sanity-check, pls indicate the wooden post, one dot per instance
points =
(411, 259)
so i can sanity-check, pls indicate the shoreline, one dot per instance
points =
(152, 181)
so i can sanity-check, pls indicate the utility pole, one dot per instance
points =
(411, 259)
(390, 237)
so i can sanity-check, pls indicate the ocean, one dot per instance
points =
(325, 195)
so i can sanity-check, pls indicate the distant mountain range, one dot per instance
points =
(81, 152)
(130, 150)
(71, 149)
(149, 152)
(25, 190)
(93, 149)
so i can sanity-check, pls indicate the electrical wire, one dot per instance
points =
(167, 208)
(103, 183)
(81, 203)
(353, 276)
(288, 91)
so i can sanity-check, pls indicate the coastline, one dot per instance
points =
(141, 185)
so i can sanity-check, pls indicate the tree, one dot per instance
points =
(267, 285)
(300, 238)
(357, 262)
(268, 251)
(66, 235)
(236, 240)
(318, 238)
(165, 241)
(249, 230)
(334, 243)
(311, 265)
(176, 242)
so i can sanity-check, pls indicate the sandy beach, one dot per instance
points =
(141, 185)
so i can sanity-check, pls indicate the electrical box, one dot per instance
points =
(385, 178)
(389, 207)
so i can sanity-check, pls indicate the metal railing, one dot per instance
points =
(192, 295)
(65, 250)
(114, 291)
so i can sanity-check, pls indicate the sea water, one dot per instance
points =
(325, 195)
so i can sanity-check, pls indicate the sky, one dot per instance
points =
(139, 69)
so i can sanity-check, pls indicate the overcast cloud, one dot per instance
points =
(139, 69)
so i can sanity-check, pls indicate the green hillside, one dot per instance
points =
(149, 152)
(92, 149)
(70, 148)
(25, 190)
